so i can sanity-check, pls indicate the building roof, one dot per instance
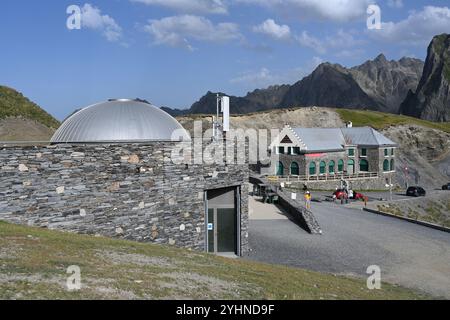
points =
(120, 121)
(332, 139)
(316, 139)
(365, 136)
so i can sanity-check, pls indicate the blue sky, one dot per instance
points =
(171, 52)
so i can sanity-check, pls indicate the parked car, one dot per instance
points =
(416, 192)
(341, 194)
(446, 186)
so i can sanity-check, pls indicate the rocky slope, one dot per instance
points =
(376, 85)
(329, 85)
(21, 119)
(388, 82)
(431, 100)
(424, 151)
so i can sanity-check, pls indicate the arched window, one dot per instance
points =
(392, 164)
(280, 169)
(323, 167)
(364, 166)
(331, 166)
(295, 171)
(386, 166)
(341, 165)
(312, 169)
(351, 166)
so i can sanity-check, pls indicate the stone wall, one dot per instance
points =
(129, 191)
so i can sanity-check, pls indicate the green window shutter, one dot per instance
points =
(386, 165)
(323, 167)
(280, 169)
(364, 166)
(312, 168)
(341, 165)
(364, 152)
(331, 166)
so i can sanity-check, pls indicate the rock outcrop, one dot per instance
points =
(388, 82)
(431, 100)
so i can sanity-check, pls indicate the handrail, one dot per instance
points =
(324, 177)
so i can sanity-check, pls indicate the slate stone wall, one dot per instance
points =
(129, 191)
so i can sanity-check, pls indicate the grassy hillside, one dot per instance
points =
(14, 104)
(33, 264)
(379, 120)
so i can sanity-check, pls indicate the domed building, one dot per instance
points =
(120, 121)
(114, 169)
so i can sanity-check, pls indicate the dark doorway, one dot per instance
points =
(223, 220)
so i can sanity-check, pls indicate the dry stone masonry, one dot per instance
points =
(129, 191)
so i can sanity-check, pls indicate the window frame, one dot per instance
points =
(363, 152)
(322, 164)
(386, 161)
(311, 167)
(298, 168)
(361, 163)
(351, 152)
(341, 161)
(332, 171)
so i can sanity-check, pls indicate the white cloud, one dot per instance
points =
(179, 31)
(334, 10)
(92, 18)
(417, 29)
(265, 77)
(262, 77)
(340, 40)
(395, 3)
(273, 30)
(190, 6)
(311, 42)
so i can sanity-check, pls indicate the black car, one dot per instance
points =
(416, 192)
(446, 186)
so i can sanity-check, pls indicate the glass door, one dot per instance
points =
(222, 227)
(226, 230)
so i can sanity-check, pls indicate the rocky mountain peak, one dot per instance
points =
(431, 100)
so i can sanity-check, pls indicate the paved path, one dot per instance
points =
(410, 255)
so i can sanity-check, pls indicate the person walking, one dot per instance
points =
(308, 198)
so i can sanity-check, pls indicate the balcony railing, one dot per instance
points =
(325, 177)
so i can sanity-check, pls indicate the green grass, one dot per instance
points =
(33, 264)
(14, 104)
(380, 120)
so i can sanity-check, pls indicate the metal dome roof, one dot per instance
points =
(120, 121)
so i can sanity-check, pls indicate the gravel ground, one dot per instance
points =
(410, 255)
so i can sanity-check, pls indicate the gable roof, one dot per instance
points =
(335, 139)
(365, 136)
(318, 139)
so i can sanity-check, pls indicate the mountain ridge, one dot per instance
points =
(378, 84)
